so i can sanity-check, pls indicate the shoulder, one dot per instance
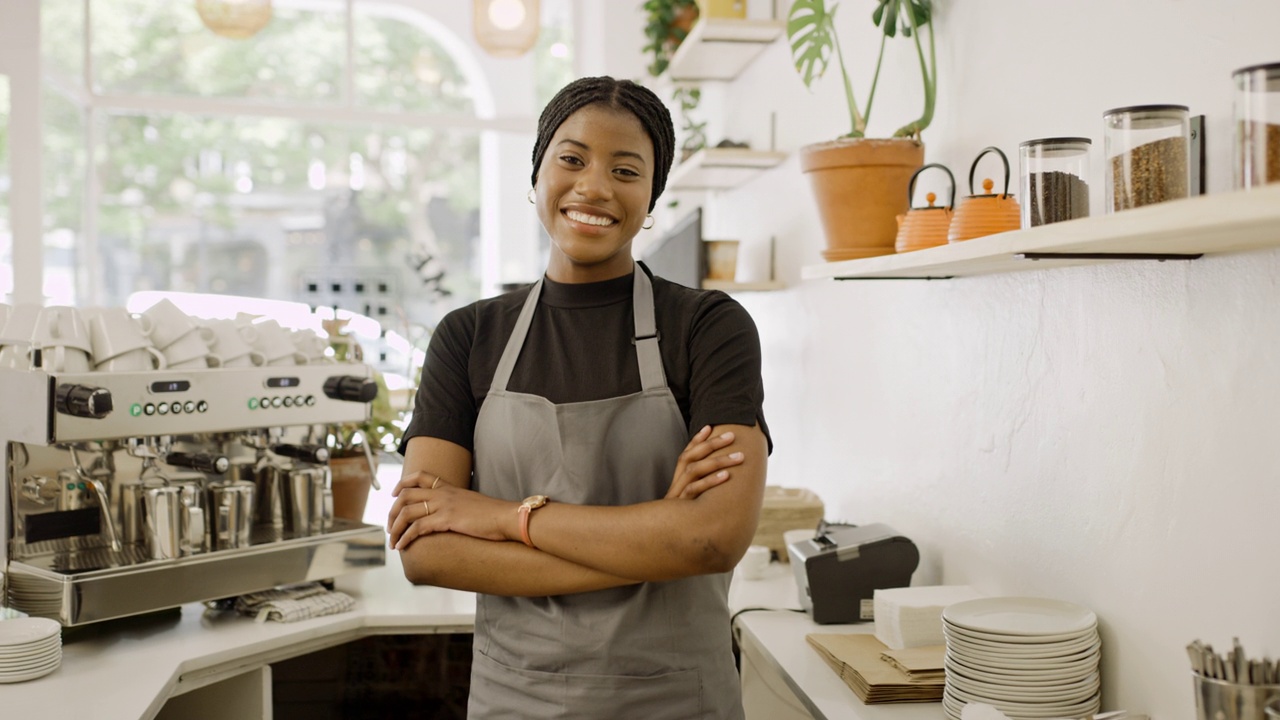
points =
(699, 308)
(469, 320)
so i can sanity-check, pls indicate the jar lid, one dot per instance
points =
(1144, 108)
(1058, 141)
(1271, 68)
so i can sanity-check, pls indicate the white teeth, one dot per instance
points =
(582, 217)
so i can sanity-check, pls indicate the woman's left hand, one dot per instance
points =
(421, 510)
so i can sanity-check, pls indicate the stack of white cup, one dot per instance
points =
(275, 344)
(122, 342)
(53, 339)
(180, 338)
(233, 342)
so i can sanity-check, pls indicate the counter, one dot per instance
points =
(130, 669)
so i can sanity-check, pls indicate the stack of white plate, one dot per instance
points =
(30, 647)
(1029, 657)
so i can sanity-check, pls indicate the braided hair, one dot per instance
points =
(619, 95)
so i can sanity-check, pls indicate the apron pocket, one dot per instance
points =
(500, 691)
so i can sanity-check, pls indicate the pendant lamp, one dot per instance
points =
(235, 19)
(506, 28)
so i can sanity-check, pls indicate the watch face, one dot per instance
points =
(533, 502)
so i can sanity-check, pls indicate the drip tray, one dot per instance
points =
(81, 586)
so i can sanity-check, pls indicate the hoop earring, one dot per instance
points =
(530, 197)
(650, 221)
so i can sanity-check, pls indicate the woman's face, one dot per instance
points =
(593, 193)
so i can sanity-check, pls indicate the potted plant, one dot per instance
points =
(860, 183)
(667, 23)
(354, 447)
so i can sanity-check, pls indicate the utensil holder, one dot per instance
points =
(1223, 700)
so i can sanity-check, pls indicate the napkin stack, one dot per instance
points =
(294, 602)
(912, 616)
(859, 660)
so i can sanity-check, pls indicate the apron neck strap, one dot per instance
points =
(646, 338)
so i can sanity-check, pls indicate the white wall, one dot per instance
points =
(1103, 435)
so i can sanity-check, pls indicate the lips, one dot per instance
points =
(593, 218)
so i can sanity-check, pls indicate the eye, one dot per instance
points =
(628, 172)
(570, 159)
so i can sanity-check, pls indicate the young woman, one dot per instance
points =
(589, 454)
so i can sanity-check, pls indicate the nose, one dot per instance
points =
(594, 183)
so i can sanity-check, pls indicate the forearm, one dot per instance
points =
(664, 539)
(460, 562)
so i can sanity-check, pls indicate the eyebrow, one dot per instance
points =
(620, 153)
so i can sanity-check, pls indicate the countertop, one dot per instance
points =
(128, 668)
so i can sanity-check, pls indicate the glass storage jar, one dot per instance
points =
(1148, 155)
(1257, 116)
(1055, 179)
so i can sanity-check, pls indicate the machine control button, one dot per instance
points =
(351, 388)
(135, 409)
(311, 400)
(275, 402)
(82, 401)
(253, 403)
(163, 408)
(149, 409)
(175, 407)
(297, 400)
(189, 406)
(288, 401)
(202, 406)
(264, 402)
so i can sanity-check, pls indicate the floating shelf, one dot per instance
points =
(720, 48)
(731, 286)
(722, 168)
(1175, 230)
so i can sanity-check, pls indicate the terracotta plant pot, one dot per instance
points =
(860, 185)
(351, 479)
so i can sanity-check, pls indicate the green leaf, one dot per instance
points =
(811, 34)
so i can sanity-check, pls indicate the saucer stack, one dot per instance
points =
(1028, 657)
(30, 647)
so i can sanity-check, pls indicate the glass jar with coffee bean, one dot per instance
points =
(1257, 115)
(1148, 155)
(1055, 180)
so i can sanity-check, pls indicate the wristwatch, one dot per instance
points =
(531, 503)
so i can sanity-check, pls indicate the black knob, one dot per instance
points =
(204, 462)
(318, 454)
(351, 388)
(82, 401)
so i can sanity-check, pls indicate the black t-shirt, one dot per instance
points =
(579, 348)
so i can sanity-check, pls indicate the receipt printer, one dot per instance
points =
(839, 570)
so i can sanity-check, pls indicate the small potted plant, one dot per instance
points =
(667, 23)
(861, 183)
(354, 447)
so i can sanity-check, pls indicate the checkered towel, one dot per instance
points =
(294, 602)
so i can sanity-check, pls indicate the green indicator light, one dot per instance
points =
(253, 403)
(71, 486)
(135, 409)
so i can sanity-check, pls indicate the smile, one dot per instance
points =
(587, 219)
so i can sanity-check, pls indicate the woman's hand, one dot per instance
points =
(425, 504)
(696, 471)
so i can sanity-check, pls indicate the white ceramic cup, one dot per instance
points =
(194, 344)
(276, 344)
(229, 339)
(200, 362)
(59, 325)
(61, 359)
(249, 359)
(754, 563)
(16, 356)
(112, 331)
(311, 346)
(169, 323)
(136, 360)
(20, 324)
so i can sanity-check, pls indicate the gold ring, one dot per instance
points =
(428, 507)
(435, 483)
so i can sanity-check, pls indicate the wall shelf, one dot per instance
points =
(1176, 230)
(720, 48)
(722, 168)
(730, 286)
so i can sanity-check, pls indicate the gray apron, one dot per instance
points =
(654, 650)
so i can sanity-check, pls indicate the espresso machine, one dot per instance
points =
(132, 492)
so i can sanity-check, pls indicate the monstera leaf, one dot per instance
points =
(809, 27)
(887, 12)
